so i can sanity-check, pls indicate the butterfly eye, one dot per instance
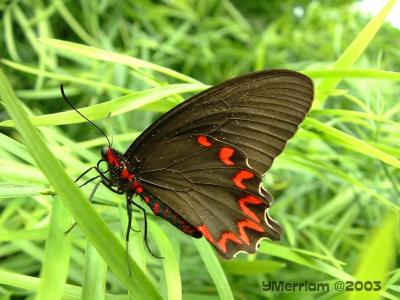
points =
(104, 151)
(102, 166)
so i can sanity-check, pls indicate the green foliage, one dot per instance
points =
(336, 186)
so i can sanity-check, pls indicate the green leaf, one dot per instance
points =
(251, 267)
(353, 73)
(301, 259)
(170, 261)
(355, 49)
(8, 190)
(352, 143)
(56, 260)
(100, 54)
(65, 78)
(94, 282)
(214, 269)
(377, 257)
(30, 283)
(117, 106)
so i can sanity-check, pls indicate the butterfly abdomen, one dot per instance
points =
(162, 210)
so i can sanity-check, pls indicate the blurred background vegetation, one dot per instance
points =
(335, 186)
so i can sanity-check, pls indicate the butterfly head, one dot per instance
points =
(118, 167)
(111, 156)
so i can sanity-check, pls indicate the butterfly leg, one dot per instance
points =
(129, 212)
(90, 201)
(107, 184)
(90, 180)
(84, 173)
(145, 228)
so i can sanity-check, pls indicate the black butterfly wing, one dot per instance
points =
(257, 113)
(209, 184)
(254, 116)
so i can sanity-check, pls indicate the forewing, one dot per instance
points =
(256, 113)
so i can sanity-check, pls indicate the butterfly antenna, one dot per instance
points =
(109, 128)
(73, 107)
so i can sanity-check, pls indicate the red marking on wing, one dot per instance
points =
(240, 176)
(202, 140)
(203, 229)
(225, 155)
(224, 239)
(139, 189)
(251, 200)
(156, 208)
(111, 158)
(249, 224)
(146, 199)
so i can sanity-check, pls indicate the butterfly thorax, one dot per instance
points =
(121, 174)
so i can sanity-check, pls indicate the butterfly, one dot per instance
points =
(200, 165)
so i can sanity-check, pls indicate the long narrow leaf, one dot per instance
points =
(100, 54)
(117, 106)
(56, 261)
(355, 49)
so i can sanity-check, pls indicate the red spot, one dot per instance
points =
(251, 200)
(203, 229)
(135, 184)
(224, 239)
(249, 224)
(225, 155)
(125, 174)
(202, 140)
(156, 208)
(111, 158)
(240, 176)
(139, 189)
(146, 199)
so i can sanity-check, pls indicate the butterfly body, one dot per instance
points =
(200, 165)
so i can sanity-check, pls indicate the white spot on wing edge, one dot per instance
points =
(267, 218)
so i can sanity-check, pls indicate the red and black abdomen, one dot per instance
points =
(162, 210)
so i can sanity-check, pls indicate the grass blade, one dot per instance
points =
(214, 269)
(355, 50)
(70, 292)
(117, 106)
(170, 261)
(100, 54)
(56, 261)
(94, 282)
(377, 257)
(353, 143)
